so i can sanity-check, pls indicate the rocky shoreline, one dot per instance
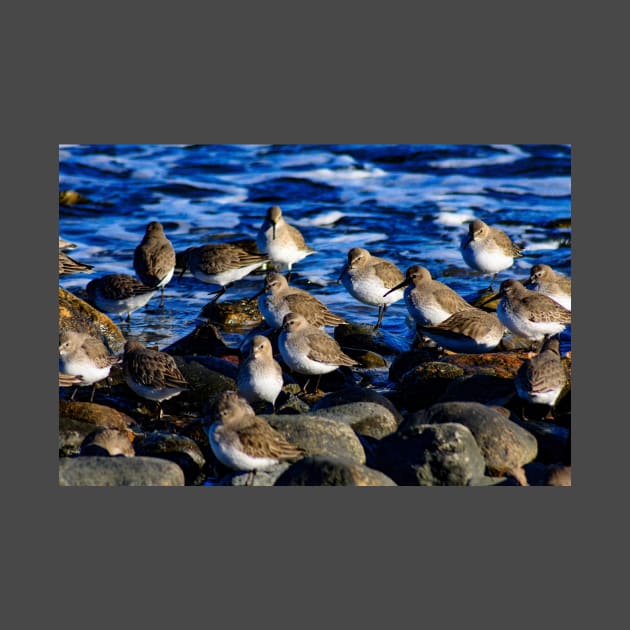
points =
(444, 419)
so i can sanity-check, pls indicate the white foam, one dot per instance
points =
(510, 153)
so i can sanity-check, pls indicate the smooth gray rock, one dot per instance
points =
(325, 471)
(119, 471)
(179, 449)
(319, 435)
(431, 455)
(504, 444)
(365, 418)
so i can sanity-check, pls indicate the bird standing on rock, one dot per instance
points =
(309, 350)
(368, 279)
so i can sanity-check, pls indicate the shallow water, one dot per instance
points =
(406, 203)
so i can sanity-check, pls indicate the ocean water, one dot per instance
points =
(409, 204)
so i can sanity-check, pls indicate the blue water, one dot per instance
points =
(407, 203)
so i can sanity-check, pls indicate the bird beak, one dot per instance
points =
(273, 230)
(404, 283)
(341, 274)
(184, 266)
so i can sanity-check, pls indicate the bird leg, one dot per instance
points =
(381, 311)
(218, 294)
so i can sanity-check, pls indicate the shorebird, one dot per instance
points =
(221, 264)
(429, 301)
(488, 249)
(541, 379)
(283, 243)
(152, 374)
(259, 376)
(530, 314)
(154, 258)
(544, 279)
(118, 293)
(368, 279)
(243, 441)
(85, 356)
(309, 350)
(470, 331)
(69, 265)
(277, 299)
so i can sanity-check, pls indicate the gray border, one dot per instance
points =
(400, 80)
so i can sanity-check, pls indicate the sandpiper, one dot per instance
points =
(470, 331)
(69, 265)
(243, 441)
(429, 301)
(283, 243)
(368, 279)
(541, 379)
(152, 374)
(488, 249)
(309, 350)
(118, 293)
(154, 258)
(86, 356)
(530, 314)
(259, 376)
(107, 443)
(221, 264)
(278, 298)
(544, 279)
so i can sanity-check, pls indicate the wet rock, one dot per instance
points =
(431, 455)
(365, 418)
(367, 358)
(363, 337)
(216, 364)
(504, 444)
(424, 384)
(205, 339)
(357, 394)
(233, 314)
(258, 478)
(325, 471)
(108, 442)
(319, 435)
(179, 449)
(119, 471)
(498, 364)
(481, 388)
(77, 314)
(407, 361)
(204, 383)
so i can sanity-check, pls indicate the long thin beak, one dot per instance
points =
(179, 278)
(404, 283)
(273, 231)
(341, 274)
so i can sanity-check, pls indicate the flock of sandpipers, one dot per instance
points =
(538, 311)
